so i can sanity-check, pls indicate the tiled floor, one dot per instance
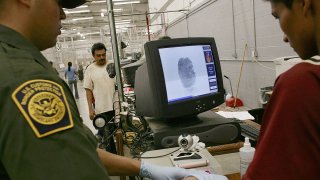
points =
(83, 107)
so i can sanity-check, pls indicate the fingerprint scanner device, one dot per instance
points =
(189, 160)
(211, 128)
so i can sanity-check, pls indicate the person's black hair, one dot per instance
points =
(69, 66)
(288, 3)
(97, 46)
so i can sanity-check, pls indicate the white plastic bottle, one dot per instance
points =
(246, 156)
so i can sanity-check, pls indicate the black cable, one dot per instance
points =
(141, 143)
(150, 157)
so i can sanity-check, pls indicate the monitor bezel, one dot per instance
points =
(157, 80)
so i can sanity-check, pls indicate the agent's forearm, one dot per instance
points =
(119, 165)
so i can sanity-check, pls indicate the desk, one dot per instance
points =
(165, 161)
(225, 164)
(230, 165)
(223, 107)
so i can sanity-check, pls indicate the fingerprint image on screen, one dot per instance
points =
(186, 72)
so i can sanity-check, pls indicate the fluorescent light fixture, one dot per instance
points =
(91, 33)
(84, 18)
(119, 23)
(115, 10)
(83, 6)
(121, 27)
(128, 2)
(95, 2)
(75, 12)
(123, 20)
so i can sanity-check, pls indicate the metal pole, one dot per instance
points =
(115, 49)
(234, 33)
(148, 27)
(254, 30)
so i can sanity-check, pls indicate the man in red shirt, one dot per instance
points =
(289, 142)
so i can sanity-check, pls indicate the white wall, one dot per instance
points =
(214, 18)
(169, 5)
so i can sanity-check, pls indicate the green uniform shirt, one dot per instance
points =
(41, 132)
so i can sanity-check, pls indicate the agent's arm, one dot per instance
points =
(119, 165)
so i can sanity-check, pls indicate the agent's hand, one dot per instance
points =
(174, 173)
(92, 114)
(201, 175)
(190, 178)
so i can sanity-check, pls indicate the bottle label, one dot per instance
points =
(243, 167)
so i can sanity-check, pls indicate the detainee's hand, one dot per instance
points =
(155, 172)
(92, 114)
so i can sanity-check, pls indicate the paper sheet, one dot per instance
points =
(241, 115)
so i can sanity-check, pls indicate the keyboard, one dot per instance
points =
(249, 131)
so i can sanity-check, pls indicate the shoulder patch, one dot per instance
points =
(44, 106)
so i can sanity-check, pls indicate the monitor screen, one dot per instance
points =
(189, 72)
(181, 77)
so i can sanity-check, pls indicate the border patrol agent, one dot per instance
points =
(41, 134)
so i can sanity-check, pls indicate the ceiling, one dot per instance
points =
(90, 23)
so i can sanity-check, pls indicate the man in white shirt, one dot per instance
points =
(100, 89)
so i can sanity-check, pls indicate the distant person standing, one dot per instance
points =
(71, 75)
(80, 73)
(53, 67)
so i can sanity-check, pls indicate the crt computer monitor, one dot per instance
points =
(180, 78)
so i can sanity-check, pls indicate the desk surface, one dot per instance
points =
(225, 164)
(229, 163)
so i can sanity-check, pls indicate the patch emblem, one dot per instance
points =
(44, 106)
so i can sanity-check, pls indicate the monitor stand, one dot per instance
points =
(211, 128)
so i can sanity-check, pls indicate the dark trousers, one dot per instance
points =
(108, 131)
